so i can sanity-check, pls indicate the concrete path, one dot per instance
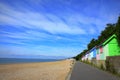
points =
(83, 71)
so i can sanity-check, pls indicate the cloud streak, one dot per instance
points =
(33, 20)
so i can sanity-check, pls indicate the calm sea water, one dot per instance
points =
(16, 60)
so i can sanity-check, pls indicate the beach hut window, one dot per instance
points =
(101, 50)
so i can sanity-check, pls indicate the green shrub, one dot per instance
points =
(113, 69)
(102, 67)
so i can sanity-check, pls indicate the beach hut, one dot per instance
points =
(83, 58)
(99, 51)
(97, 55)
(93, 52)
(100, 56)
(110, 47)
(86, 56)
(90, 55)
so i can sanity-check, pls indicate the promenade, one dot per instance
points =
(83, 71)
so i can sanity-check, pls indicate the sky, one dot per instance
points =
(57, 28)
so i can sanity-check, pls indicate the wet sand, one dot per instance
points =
(36, 71)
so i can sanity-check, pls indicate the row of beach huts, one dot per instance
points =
(98, 54)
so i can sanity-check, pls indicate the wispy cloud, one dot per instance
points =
(35, 20)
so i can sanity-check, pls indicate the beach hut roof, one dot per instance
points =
(93, 48)
(109, 39)
(106, 41)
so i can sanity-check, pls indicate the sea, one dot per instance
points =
(21, 60)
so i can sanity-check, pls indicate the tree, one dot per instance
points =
(105, 34)
(92, 43)
(79, 56)
(118, 30)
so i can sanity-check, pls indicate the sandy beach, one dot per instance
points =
(36, 71)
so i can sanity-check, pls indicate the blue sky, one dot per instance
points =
(52, 27)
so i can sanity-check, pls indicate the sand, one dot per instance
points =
(36, 71)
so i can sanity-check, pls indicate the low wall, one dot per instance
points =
(112, 63)
(115, 61)
(93, 61)
(100, 63)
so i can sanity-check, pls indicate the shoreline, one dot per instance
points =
(56, 70)
(27, 62)
(22, 60)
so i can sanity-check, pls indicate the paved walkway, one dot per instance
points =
(83, 71)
